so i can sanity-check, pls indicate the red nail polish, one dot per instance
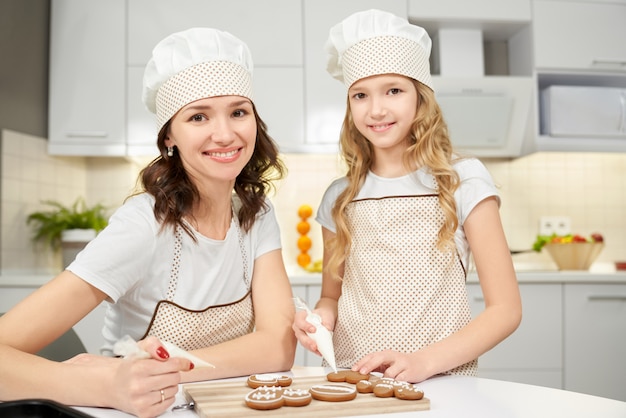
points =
(191, 365)
(162, 352)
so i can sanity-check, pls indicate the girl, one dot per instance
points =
(399, 227)
(194, 260)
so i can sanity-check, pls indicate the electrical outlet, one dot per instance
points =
(560, 225)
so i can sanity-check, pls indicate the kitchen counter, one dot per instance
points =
(461, 396)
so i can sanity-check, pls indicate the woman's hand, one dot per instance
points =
(406, 367)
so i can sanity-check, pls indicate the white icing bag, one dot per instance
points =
(127, 347)
(322, 336)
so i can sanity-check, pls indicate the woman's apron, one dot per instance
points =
(399, 292)
(195, 329)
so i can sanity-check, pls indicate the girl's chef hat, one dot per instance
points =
(192, 65)
(375, 42)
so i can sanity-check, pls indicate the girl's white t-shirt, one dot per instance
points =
(476, 185)
(131, 261)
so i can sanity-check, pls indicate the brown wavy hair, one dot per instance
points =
(165, 178)
(428, 146)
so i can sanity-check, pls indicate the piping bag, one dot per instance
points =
(127, 347)
(322, 336)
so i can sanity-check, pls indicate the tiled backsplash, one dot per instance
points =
(590, 188)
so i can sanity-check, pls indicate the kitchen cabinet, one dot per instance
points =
(595, 339)
(589, 37)
(477, 10)
(584, 51)
(310, 294)
(533, 354)
(87, 78)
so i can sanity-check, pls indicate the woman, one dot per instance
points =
(194, 260)
(399, 228)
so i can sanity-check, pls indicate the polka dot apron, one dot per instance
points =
(195, 329)
(399, 292)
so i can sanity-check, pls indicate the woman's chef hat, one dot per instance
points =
(192, 65)
(375, 42)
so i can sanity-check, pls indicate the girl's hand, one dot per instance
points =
(406, 367)
(301, 326)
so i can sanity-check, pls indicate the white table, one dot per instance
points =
(468, 397)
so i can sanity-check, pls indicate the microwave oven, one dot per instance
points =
(583, 111)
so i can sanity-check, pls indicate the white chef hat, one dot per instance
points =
(375, 42)
(192, 65)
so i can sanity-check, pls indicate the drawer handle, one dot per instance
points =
(601, 61)
(90, 134)
(479, 299)
(619, 298)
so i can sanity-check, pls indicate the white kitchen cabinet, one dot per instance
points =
(87, 78)
(310, 294)
(595, 339)
(533, 353)
(271, 28)
(477, 10)
(579, 35)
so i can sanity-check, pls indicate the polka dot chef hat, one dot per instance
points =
(192, 65)
(375, 42)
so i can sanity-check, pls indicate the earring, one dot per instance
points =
(170, 151)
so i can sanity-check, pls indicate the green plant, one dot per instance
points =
(49, 225)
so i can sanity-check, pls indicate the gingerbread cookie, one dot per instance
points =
(408, 392)
(296, 397)
(364, 386)
(383, 389)
(348, 376)
(257, 380)
(264, 399)
(333, 393)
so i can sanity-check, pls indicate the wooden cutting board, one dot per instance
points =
(226, 399)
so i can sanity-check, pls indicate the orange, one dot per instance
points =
(305, 211)
(303, 227)
(304, 243)
(304, 260)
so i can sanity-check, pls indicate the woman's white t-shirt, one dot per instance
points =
(476, 185)
(131, 259)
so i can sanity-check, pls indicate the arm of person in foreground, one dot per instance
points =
(326, 307)
(271, 347)
(130, 385)
(499, 319)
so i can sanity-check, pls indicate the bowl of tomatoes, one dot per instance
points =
(572, 251)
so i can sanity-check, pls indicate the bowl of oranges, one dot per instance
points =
(572, 251)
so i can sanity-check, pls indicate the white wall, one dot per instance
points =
(588, 187)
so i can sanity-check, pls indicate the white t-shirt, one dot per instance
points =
(476, 185)
(131, 259)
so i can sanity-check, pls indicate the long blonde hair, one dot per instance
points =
(429, 146)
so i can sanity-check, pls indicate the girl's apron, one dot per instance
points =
(195, 329)
(399, 292)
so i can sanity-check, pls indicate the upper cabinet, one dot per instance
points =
(590, 36)
(579, 44)
(87, 78)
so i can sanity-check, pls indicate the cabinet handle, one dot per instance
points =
(601, 61)
(479, 299)
(620, 298)
(91, 134)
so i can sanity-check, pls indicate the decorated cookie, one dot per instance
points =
(264, 399)
(257, 380)
(384, 390)
(364, 386)
(296, 397)
(333, 393)
(408, 392)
